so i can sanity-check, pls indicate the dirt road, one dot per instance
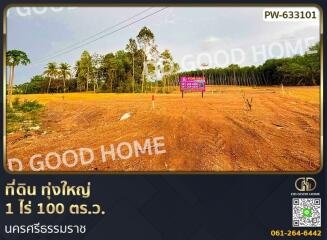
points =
(216, 133)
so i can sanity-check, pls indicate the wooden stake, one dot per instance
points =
(152, 102)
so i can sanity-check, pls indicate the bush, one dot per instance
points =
(23, 115)
(27, 106)
(14, 117)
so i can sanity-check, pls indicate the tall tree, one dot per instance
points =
(64, 71)
(110, 66)
(167, 66)
(96, 65)
(131, 47)
(52, 72)
(311, 59)
(234, 68)
(153, 67)
(13, 59)
(146, 39)
(85, 69)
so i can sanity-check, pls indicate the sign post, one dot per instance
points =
(192, 84)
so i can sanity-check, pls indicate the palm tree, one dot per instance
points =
(64, 70)
(13, 59)
(51, 71)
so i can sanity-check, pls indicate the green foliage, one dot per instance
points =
(14, 121)
(51, 70)
(123, 71)
(296, 70)
(64, 72)
(23, 115)
(16, 57)
(38, 84)
(85, 70)
(145, 37)
(131, 46)
(28, 106)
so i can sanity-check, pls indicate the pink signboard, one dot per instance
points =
(192, 84)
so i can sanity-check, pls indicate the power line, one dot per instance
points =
(96, 34)
(102, 36)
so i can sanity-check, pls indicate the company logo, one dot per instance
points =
(305, 184)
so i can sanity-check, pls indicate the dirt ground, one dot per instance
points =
(280, 133)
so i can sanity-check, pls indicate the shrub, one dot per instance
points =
(23, 115)
(28, 106)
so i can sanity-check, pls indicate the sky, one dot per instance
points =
(213, 36)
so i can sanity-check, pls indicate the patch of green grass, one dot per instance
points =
(26, 106)
(23, 115)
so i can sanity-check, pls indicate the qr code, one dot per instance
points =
(306, 212)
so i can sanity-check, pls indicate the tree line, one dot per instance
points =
(297, 70)
(140, 67)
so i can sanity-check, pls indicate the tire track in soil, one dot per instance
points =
(200, 134)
